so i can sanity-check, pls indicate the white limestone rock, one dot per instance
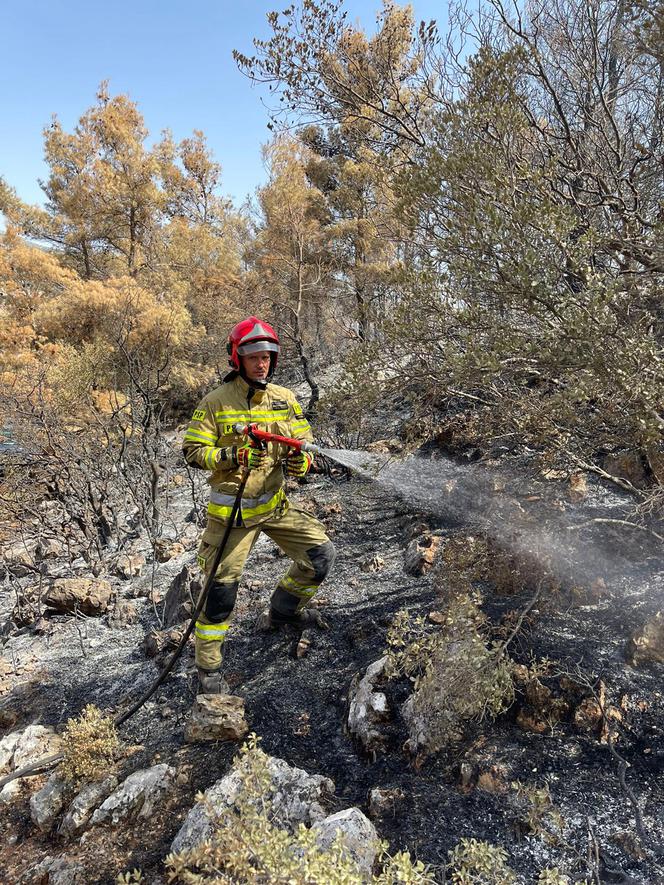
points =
(359, 836)
(368, 708)
(55, 871)
(7, 748)
(216, 717)
(34, 743)
(296, 798)
(47, 803)
(137, 796)
(89, 798)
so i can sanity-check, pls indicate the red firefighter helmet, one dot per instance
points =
(251, 336)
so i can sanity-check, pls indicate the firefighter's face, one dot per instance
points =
(256, 365)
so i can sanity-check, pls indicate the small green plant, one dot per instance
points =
(247, 846)
(537, 813)
(90, 743)
(552, 877)
(479, 863)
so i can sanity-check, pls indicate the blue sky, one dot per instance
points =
(172, 57)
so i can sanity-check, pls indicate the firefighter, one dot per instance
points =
(210, 443)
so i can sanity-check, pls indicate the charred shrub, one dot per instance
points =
(536, 813)
(520, 571)
(459, 675)
(458, 679)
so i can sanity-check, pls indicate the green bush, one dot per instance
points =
(457, 677)
(479, 863)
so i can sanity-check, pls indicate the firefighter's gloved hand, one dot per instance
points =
(298, 464)
(250, 457)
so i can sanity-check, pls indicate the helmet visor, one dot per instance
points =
(257, 347)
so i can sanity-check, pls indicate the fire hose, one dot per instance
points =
(261, 438)
(254, 432)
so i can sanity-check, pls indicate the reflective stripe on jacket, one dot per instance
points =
(211, 428)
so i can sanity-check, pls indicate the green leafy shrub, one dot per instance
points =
(479, 863)
(457, 677)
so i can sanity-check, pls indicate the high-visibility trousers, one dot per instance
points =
(301, 537)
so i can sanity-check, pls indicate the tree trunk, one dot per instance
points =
(86, 260)
(131, 258)
(299, 343)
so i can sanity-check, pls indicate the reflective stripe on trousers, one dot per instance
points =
(221, 505)
(211, 632)
(209, 642)
(305, 590)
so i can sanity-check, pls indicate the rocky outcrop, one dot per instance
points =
(130, 565)
(47, 803)
(158, 642)
(7, 747)
(179, 602)
(359, 836)
(136, 796)
(81, 809)
(295, 798)
(55, 871)
(382, 801)
(216, 717)
(50, 548)
(20, 559)
(166, 549)
(124, 613)
(420, 555)
(373, 563)
(368, 708)
(90, 597)
(20, 749)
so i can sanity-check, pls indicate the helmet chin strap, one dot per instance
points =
(257, 383)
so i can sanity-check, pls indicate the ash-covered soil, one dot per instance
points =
(298, 705)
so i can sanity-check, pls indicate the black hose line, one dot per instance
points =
(51, 761)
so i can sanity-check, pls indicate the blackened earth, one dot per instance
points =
(298, 705)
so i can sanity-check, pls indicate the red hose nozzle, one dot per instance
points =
(254, 432)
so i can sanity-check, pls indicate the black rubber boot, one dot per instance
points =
(211, 682)
(271, 619)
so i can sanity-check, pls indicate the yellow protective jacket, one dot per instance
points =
(211, 428)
